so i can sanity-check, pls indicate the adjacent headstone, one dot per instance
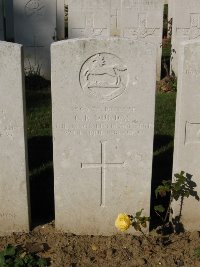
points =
(103, 93)
(88, 18)
(35, 28)
(1, 21)
(187, 133)
(143, 20)
(186, 26)
(13, 165)
(140, 20)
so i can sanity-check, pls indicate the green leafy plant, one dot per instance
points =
(197, 252)
(13, 256)
(173, 81)
(138, 221)
(182, 187)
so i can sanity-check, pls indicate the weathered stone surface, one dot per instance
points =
(13, 168)
(186, 25)
(140, 20)
(143, 20)
(187, 133)
(35, 28)
(1, 21)
(88, 18)
(103, 123)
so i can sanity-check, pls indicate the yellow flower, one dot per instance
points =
(123, 222)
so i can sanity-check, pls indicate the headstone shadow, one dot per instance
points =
(161, 170)
(40, 151)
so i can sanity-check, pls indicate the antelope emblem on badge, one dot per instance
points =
(104, 77)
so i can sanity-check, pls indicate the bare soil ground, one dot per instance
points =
(64, 250)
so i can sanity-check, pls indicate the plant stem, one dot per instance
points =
(145, 236)
(159, 216)
(168, 210)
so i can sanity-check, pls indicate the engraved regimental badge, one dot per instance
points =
(104, 77)
(34, 8)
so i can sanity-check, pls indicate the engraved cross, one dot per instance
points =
(141, 31)
(103, 165)
(193, 31)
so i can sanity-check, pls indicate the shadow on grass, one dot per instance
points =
(38, 99)
(40, 152)
(34, 81)
(162, 170)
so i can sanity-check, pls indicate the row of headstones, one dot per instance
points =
(103, 104)
(35, 24)
(138, 20)
(39, 23)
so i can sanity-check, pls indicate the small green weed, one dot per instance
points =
(139, 221)
(13, 256)
(197, 252)
(173, 82)
(182, 187)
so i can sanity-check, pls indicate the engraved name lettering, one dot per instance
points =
(5, 215)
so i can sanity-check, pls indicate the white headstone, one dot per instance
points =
(13, 168)
(187, 133)
(103, 124)
(1, 21)
(140, 20)
(35, 28)
(88, 18)
(143, 20)
(186, 25)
